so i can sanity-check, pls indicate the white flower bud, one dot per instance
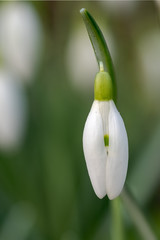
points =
(105, 145)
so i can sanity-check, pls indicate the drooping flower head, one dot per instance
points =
(105, 141)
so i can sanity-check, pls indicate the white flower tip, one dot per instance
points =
(112, 195)
(83, 11)
(99, 192)
(100, 196)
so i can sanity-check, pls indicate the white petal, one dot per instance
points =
(104, 111)
(94, 150)
(117, 161)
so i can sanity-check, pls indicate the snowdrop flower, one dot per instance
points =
(13, 112)
(105, 141)
(20, 38)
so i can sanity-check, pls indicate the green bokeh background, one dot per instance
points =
(45, 191)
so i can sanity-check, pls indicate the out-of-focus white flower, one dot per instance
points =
(13, 112)
(20, 38)
(81, 69)
(148, 50)
(105, 142)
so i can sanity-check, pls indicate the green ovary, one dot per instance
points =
(103, 87)
(106, 140)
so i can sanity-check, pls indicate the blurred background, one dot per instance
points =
(47, 70)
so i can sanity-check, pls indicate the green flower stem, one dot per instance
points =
(99, 45)
(137, 216)
(117, 230)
